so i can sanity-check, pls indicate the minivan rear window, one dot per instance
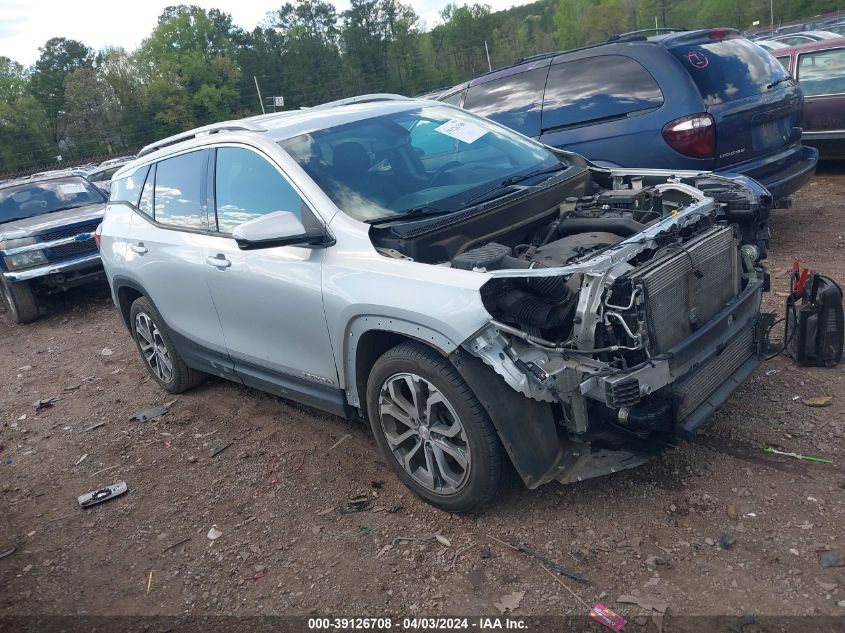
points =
(727, 70)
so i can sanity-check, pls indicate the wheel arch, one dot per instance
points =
(126, 291)
(368, 337)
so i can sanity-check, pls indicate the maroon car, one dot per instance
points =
(820, 70)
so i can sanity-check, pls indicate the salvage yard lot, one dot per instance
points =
(278, 492)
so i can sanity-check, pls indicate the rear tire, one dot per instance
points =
(20, 300)
(157, 350)
(432, 429)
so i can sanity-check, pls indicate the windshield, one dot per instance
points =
(434, 158)
(36, 198)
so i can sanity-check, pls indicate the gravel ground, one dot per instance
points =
(276, 493)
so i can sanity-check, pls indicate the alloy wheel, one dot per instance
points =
(424, 433)
(153, 348)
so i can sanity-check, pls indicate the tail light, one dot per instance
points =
(97, 233)
(693, 136)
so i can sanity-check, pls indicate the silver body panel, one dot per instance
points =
(302, 312)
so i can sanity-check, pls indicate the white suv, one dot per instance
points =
(477, 296)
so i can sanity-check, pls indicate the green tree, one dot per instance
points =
(90, 124)
(188, 64)
(58, 58)
(25, 133)
(309, 47)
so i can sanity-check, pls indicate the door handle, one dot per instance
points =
(139, 248)
(220, 261)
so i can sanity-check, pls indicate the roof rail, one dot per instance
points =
(225, 126)
(635, 35)
(539, 56)
(379, 96)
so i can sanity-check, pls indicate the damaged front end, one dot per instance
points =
(626, 322)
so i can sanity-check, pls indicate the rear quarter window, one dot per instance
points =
(822, 73)
(514, 101)
(597, 88)
(128, 188)
(730, 69)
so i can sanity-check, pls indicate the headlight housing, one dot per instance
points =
(26, 259)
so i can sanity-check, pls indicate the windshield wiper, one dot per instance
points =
(777, 82)
(505, 185)
(513, 180)
(415, 212)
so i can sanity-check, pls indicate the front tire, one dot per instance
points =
(432, 429)
(157, 350)
(20, 299)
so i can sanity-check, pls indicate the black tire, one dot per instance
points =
(486, 464)
(20, 300)
(181, 377)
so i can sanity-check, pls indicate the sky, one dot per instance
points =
(24, 26)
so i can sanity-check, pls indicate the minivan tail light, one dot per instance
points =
(693, 136)
(97, 233)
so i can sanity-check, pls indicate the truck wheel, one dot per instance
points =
(157, 350)
(21, 301)
(434, 432)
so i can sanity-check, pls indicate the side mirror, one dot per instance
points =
(281, 228)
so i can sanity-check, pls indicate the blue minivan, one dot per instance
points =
(705, 100)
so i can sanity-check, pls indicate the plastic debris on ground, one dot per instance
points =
(818, 401)
(361, 503)
(153, 413)
(103, 494)
(510, 601)
(44, 404)
(806, 458)
(832, 558)
(214, 533)
(215, 452)
(605, 616)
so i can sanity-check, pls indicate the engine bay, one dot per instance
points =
(664, 243)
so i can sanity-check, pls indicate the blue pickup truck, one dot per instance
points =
(47, 226)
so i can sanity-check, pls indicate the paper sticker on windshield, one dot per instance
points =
(72, 188)
(462, 130)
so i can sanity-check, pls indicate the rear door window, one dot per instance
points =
(822, 73)
(730, 69)
(598, 88)
(179, 198)
(514, 101)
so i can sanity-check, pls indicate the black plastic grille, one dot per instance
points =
(74, 248)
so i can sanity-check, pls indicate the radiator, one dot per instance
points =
(695, 388)
(688, 286)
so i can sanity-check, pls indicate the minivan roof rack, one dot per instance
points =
(214, 128)
(537, 57)
(635, 35)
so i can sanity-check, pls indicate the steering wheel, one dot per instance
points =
(443, 169)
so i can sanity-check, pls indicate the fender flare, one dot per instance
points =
(363, 324)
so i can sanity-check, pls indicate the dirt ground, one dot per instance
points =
(277, 491)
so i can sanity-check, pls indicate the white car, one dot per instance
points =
(475, 295)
